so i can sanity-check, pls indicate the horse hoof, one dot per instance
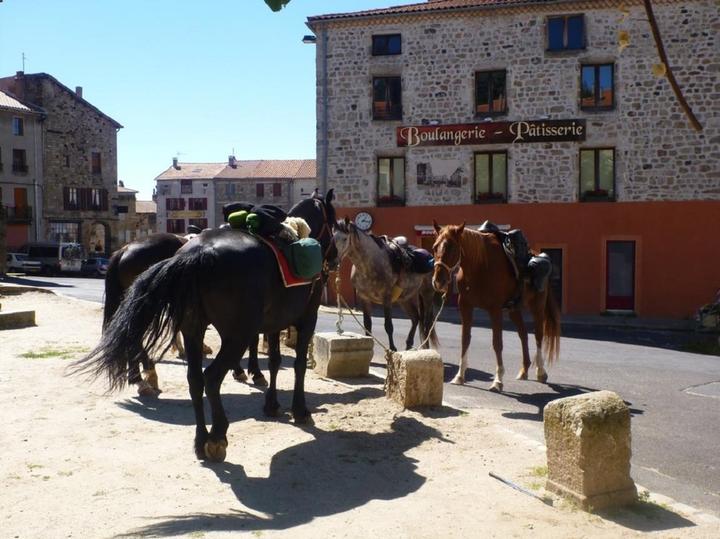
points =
(522, 375)
(497, 387)
(216, 450)
(271, 411)
(240, 376)
(303, 418)
(207, 350)
(259, 380)
(146, 390)
(458, 380)
(542, 378)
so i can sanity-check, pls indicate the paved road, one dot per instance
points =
(674, 396)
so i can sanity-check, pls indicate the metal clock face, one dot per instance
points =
(364, 221)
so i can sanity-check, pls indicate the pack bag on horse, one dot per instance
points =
(487, 278)
(384, 272)
(230, 279)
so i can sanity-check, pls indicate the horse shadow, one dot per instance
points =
(540, 400)
(302, 486)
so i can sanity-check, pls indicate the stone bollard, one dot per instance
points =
(588, 450)
(342, 356)
(415, 378)
(17, 319)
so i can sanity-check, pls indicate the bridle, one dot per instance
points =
(326, 229)
(454, 267)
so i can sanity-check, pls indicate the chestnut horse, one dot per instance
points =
(486, 280)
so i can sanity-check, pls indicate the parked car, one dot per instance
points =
(19, 262)
(56, 257)
(94, 267)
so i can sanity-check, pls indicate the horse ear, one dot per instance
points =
(330, 196)
(346, 221)
(461, 228)
(436, 226)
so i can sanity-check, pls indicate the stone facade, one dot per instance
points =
(20, 130)
(657, 154)
(136, 217)
(74, 132)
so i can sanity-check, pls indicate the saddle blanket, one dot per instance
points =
(288, 277)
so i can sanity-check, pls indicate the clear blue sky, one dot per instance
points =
(186, 78)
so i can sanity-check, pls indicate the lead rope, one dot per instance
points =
(389, 360)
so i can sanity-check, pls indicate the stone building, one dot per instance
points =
(533, 115)
(21, 171)
(282, 182)
(209, 186)
(79, 162)
(136, 218)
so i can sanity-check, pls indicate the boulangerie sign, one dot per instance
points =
(491, 133)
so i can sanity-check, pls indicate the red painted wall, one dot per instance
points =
(677, 246)
(17, 236)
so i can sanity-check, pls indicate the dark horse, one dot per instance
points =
(231, 280)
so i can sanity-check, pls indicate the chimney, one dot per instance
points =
(121, 184)
(175, 163)
(18, 86)
(232, 162)
(78, 91)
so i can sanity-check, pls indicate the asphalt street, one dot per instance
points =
(674, 396)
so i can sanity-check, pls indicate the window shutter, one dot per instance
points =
(103, 199)
(66, 198)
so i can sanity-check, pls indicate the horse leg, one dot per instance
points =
(147, 384)
(367, 317)
(253, 366)
(274, 358)
(516, 317)
(496, 319)
(196, 384)
(304, 334)
(466, 317)
(387, 311)
(230, 349)
(538, 312)
(412, 312)
(178, 345)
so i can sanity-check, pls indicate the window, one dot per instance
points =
(174, 204)
(19, 161)
(597, 174)
(277, 189)
(95, 203)
(66, 154)
(176, 226)
(96, 163)
(200, 223)
(229, 190)
(385, 45)
(387, 98)
(260, 190)
(490, 177)
(186, 187)
(490, 95)
(71, 198)
(597, 87)
(391, 181)
(197, 204)
(64, 231)
(566, 32)
(18, 127)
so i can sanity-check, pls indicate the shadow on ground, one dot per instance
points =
(302, 485)
(645, 516)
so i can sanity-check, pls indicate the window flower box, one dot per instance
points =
(490, 198)
(390, 201)
(597, 195)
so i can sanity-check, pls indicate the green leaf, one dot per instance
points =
(277, 5)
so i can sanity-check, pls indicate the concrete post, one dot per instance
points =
(588, 450)
(415, 378)
(342, 356)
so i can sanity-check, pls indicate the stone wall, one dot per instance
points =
(73, 130)
(658, 155)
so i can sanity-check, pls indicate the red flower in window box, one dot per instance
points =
(389, 200)
(597, 194)
(489, 197)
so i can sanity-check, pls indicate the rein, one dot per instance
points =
(446, 267)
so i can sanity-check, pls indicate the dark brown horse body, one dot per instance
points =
(486, 280)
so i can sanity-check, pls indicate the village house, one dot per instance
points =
(78, 159)
(194, 193)
(137, 218)
(551, 117)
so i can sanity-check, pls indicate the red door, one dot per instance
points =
(620, 278)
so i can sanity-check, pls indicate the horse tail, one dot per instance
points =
(551, 328)
(154, 306)
(113, 288)
(429, 307)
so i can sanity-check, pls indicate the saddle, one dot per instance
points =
(405, 257)
(526, 265)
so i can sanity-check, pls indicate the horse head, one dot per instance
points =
(319, 213)
(447, 251)
(345, 233)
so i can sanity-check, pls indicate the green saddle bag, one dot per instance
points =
(304, 257)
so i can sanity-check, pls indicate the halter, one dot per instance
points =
(446, 267)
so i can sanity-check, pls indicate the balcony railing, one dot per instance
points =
(18, 214)
(20, 169)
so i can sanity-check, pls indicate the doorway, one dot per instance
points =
(620, 276)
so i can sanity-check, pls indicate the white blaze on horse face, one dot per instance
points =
(342, 243)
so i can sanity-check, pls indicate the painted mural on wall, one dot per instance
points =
(441, 173)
